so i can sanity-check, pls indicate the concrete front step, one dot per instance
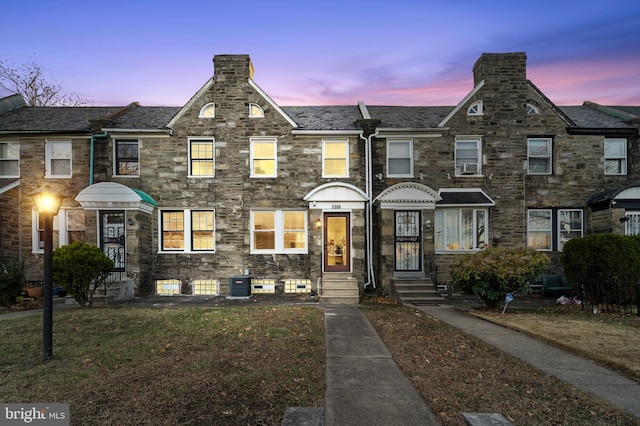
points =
(416, 291)
(339, 288)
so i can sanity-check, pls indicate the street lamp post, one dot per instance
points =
(47, 203)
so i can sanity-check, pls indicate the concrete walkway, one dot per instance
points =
(363, 384)
(572, 369)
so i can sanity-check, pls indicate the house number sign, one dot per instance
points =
(336, 206)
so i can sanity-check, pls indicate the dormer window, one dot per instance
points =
(208, 111)
(256, 111)
(532, 109)
(475, 108)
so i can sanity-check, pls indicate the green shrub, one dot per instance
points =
(11, 281)
(492, 273)
(80, 268)
(605, 266)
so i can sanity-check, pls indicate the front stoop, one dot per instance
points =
(339, 289)
(416, 291)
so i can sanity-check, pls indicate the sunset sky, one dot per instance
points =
(330, 52)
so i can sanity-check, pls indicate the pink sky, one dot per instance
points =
(334, 52)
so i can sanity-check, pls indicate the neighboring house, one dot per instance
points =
(330, 199)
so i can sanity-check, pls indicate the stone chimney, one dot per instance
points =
(501, 68)
(232, 67)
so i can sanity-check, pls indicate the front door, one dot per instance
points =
(112, 238)
(408, 241)
(337, 242)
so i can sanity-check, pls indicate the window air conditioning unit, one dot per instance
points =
(470, 168)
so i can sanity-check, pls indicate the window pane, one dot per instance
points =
(127, 162)
(202, 230)
(60, 167)
(540, 147)
(452, 231)
(263, 150)
(539, 228)
(263, 221)
(264, 167)
(202, 158)
(539, 166)
(615, 148)
(173, 230)
(613, 167)
(480, 229)
(335, 167)
(399, 149)
(570, 226)
(467, 229)
(9, 168)
(399, 166)
(438, 223)
(335, 150)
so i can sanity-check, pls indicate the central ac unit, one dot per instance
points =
(470, 168)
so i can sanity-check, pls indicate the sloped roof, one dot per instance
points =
(144, 117)
(584, 116)
(412, 117)
(53, 119)
(341, 117)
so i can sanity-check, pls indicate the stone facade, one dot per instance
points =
(493, 191)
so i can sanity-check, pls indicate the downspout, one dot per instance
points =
(93, 141)
(369, 209)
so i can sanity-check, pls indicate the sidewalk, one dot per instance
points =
(572, 369)
(363, 384)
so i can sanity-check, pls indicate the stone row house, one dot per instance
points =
(335, 200)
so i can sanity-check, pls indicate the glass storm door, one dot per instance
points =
(408, 241)
(337, 242)
(112, 238)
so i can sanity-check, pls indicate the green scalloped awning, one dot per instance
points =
(146, 198)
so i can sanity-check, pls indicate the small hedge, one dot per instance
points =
(492, 273)
(11, 281)
(606, 267)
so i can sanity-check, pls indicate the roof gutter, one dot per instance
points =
(91, 161)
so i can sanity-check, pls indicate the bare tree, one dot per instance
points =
(29, 80)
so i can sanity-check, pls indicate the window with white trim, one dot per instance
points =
(399, 158)
(201, 157)
(68, 227)
(264, 160)
(468, 154)
(532, 109)
(255, 111)
(475, 108)
(539, 229)
(9, 159)
(570, 225)
(461, 229)
(539, 152)
(615, 156)
(187, 230)
(126, 157)
(58, 159)
(208, 111)
(335, 158)
(279, 231)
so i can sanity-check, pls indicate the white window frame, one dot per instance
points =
(476, 108)
(441, 231)
(548, 157)
(621, 159)
(459, 162)
(253, 157)
(49, 152)
(213, 156)
(37, 244)
(7, 158)
(571, 229)
(532, 109)
(208, 111)
(116, 173)
(391, 142)
(187, 230)
(540, 230)
(345, 143)
(279, 232)
(255, 111)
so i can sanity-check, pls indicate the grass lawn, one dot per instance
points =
(456, 373)
(169, 366)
